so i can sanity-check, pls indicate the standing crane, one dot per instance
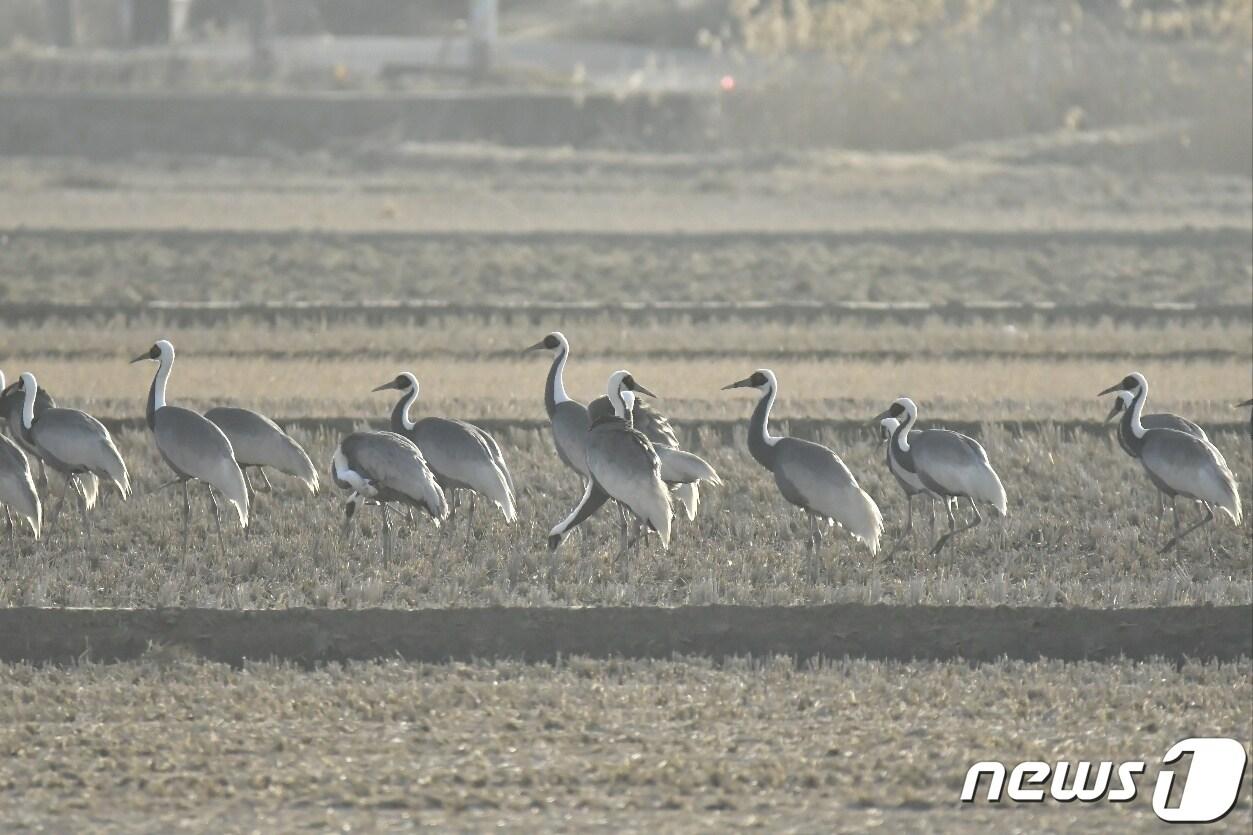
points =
(17, 487)
(623, 465)
(11, 414)
(461, 455)
(259, 442)
(809, 475)
(949, 464)
(1162, 420)
(381, 468)
(568, 418)
(72, 443)
(193, 446)
(1179, 464)
(901, 466)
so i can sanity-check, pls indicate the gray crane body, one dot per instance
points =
(1159, 420)
(568, 418)
(809, 475)
(11, 414)
(259, 442)
(192, 445)
(1179, 464)
(72, 443)
(457, 452)
(949, 465)
(387, 467)
(17, 486)
(623, 465)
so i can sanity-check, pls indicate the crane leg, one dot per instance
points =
(82, 505)
(1208, 517)
(265, 479)
(186, 516)
(217, 518)
(56, 511)
(470, 521)
(909, 529)
(8, 519)
(953, 529)
(1161, 516)
(350, 507)
(387, 534)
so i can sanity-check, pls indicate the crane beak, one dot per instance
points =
(1113, 413)
(886, 413)
(391, 384)
(1248, 402)
(140, 358)
(642, 390)
(537, 346)
(739, 384)
(1112, 389)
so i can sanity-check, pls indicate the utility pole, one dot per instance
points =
(484, 19)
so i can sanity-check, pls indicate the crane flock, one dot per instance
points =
(618, 445)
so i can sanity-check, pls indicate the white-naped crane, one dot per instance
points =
(17, 487)
(901, 468)
(567, 417)
(1179, 464)
(72, 443)
(193, 446)
(259, 442)
(1160, 420)
(461, 455)
(623, 465)
(383, 468)
(11, 416)
(809, 475)
(679, 469)
(949, 464)
(570, 420)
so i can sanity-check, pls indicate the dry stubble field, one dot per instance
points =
(853, 745)
(169, 742)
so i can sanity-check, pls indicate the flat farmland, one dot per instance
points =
(1081, 531)
(170, 742)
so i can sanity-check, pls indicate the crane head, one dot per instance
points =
(161, 349)
(620, 381)
(1122, 401)
(404, 382)
(1133, 382)
(901, 408)
(552, 342)
(762, 378)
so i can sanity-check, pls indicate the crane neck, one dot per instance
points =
(1131, 439)
(401, 421)
(554, 387)
(901, 437)
(1136, 411)
(624, 408)
(760, 442)
(29, 390)
(156, 392)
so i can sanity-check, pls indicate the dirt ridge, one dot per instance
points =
(314, 636)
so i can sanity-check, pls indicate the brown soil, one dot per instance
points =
(312, 636)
